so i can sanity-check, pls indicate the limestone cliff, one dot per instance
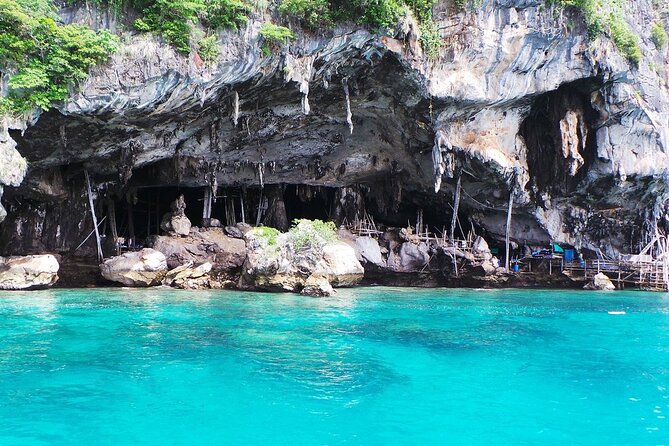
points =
(519, 101)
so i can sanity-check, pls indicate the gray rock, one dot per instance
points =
(180, 224)
(234, 232)
(412, 257)
(600, 282)
(142, 268)
(369, 250)
(206, 246)
(22, 273)
(317, 285)
(341, 265)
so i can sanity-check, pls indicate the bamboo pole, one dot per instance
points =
(456, 206)
(95, 219)
(508, 228)
(112, 224)
(131, 225)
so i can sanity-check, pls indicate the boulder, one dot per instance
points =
(176, 220)
(412, 257)
(142, 268)
(600, 282)
(206, 246)
(234, 232)
(185, 276)
(274, 263)
(341, 265)
(369, 250)
(317, 285)
(22, 273)
(481, 249)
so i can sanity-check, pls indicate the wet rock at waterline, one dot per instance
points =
(317, 285)
(29, 272)
(600, 282)
(341, 265)
(285, 261)
(189, 277)
(142, 268)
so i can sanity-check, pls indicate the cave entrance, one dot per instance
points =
(560, 136)
(311, 202)
(139, 214)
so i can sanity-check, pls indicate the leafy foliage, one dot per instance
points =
(626, 41)
(267, 234)
(311, 234)
(311, 13)
(45, 59)
(274, 35)
(607, 16)
(659, 35)
(208, 49)
(381, 14)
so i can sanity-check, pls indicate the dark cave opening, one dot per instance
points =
(560, 135)
(311, 202)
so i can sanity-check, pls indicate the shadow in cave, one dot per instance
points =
(560, 136)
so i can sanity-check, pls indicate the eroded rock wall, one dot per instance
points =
(519, 103)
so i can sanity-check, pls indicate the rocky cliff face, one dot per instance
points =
(520, 104)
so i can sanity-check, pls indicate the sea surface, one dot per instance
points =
(370, 366)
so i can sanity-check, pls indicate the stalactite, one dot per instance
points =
(443, 159)
(349, 115)
(304, 89)
(261, 171)
(235, 107)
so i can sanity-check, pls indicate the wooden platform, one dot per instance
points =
(652, 276)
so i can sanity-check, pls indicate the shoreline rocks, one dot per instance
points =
(142, 268)
(28, 272)
(600, 282)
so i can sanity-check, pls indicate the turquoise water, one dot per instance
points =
(374, 366)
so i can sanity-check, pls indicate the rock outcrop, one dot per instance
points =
(29, 272)
(600, 282)
(142, 268)
(519, 105)
(290, 262)
(176, 220)
(210, 245)
(188, 277)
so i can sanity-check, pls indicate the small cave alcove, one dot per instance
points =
(311, 202)
(560, 135)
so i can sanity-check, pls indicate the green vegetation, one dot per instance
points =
(268, 235)
(624, 38)
(273, 36)
(174, 19)
(659, 35)
(311, 13)
(208, 49)
(311, 234)
(607, 16)
(381, 14)
(45, 60)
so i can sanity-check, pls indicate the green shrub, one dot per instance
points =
(208, 49)
(307, 235)
(607, 16)
(311, 13)
(430, 39)
(273, 36)
(226, 13)
(268, 235)
(659, 35)
(626, 41)
(45, 59)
